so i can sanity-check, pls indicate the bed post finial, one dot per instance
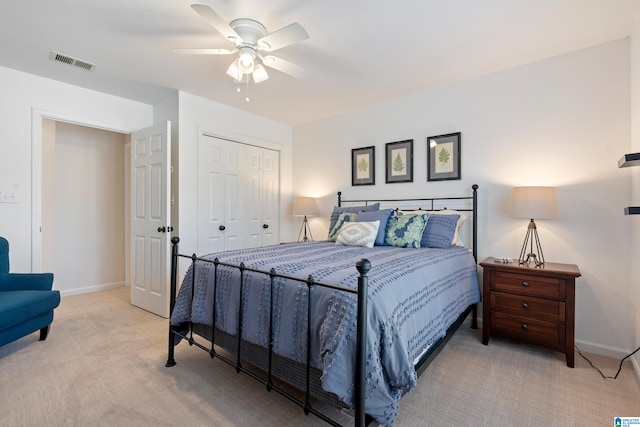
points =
(339, 198)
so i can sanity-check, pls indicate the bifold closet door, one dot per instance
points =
(220, 201)
(262, 201)
(238, 195)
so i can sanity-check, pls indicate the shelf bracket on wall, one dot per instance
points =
(628, 160)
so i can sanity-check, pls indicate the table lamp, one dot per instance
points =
(306, 207)
(533, 203)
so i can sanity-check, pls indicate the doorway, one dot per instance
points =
(85, 209)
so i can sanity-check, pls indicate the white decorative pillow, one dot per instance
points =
(358, 234)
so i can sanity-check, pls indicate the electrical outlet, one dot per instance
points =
(9, 196)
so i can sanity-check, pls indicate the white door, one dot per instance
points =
(253, 198)
(151, 218)
(270, 196)
(220, 203)
(262, 201)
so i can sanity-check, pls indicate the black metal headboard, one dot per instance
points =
(433, 204)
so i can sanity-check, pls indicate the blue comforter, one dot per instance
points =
(414, 296)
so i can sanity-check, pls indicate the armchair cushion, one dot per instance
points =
(20, 306)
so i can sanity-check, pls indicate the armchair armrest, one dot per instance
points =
(26, 281)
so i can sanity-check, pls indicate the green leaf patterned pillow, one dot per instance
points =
(342, 218)
(405, 231)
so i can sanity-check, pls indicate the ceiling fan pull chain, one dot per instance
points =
(247, 98)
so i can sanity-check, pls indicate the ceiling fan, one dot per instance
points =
(251, 41)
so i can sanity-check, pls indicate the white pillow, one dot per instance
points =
(358, 234)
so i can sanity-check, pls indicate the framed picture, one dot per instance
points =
(363, 166)
(443, 157)
(399, 161)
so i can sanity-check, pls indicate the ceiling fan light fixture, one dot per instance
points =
(245, 60)
(259, 74)
(234, 71)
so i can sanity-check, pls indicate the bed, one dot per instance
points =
(302, 321)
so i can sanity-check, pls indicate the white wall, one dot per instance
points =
(199, 115)
(21, 94)
(87, 214)
(562, 122)
(635, 175)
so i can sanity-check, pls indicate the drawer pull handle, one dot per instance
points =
(525, 305)
(525, 284)
(525, 326)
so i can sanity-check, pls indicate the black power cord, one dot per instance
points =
(619, 368)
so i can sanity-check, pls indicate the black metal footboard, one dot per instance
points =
(363, 266)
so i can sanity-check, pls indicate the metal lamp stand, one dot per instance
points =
(305, 227)
(532, 234)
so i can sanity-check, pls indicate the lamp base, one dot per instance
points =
(526, 258)
(304, 229)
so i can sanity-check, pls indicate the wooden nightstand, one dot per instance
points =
(530, 304)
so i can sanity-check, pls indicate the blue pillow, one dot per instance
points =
(382, 216)
(439, 231)
(405, 231)
(337, 210)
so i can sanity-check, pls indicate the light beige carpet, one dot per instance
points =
(103, 365)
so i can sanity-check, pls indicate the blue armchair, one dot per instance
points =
(26, 301)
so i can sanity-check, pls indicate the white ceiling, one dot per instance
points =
(360, 52)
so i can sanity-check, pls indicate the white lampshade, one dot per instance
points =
(534, 203)
(234, 71)
(259, 74)
(305, 206)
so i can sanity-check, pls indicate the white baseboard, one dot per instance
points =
(635, 362)
(601, 349)
(94, 288)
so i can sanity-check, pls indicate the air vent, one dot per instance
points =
(69, 60)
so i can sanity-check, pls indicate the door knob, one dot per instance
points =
(161, 229)
(265, 225)
(222, 228)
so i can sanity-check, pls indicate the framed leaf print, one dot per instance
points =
(399, 161)
(363, 166)
(443, 157)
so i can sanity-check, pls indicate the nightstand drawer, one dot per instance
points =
(530, 285)
(532, 330)
(527, 306)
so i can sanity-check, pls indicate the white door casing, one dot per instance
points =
(151, 218)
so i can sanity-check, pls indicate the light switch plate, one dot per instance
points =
(9, 196)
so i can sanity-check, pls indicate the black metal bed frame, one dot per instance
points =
(363, 266)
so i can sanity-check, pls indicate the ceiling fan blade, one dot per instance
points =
(205, 51)
(284, 66)
(286, 36)
(216, 22)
